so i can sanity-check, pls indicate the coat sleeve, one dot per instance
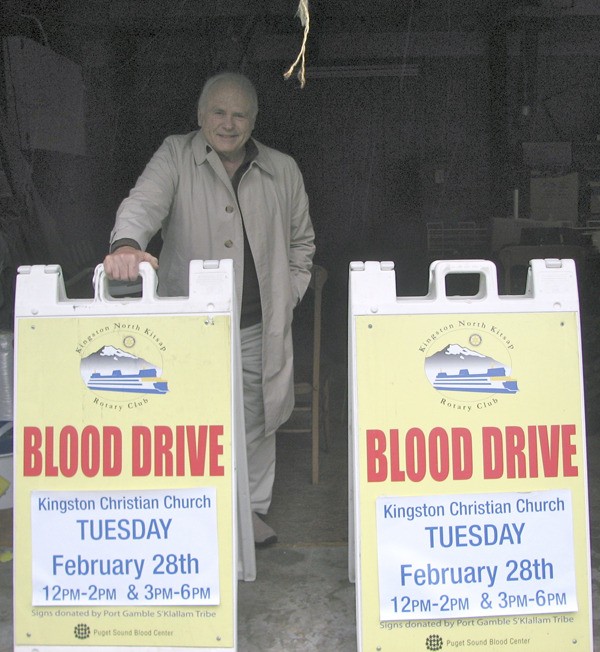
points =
(142, 213)
(302, 238)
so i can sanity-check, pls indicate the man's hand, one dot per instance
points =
(124, 263)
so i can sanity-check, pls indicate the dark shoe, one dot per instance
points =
(264, 535)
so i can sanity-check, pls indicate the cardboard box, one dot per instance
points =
(594, 197)
(554, 197)
(547, 156)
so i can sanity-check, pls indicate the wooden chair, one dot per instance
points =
(306, 417)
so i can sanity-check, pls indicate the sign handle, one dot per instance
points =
(440, 269)
(149, 284)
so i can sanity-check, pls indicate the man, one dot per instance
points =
(217, 193)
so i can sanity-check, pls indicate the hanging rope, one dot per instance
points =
(304, 16)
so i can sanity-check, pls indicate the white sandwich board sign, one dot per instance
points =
(130, 478)
(468, 479)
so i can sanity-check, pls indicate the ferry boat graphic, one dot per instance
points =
(456, 368)
(144, 382)
(493, 381)
(110, 369)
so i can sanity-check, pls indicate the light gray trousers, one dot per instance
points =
(260, 446)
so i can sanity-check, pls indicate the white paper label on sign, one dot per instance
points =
(125, 547)
(475, 555)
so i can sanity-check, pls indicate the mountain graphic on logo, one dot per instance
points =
(112, 370)
(458, 369)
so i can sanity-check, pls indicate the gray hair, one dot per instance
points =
(234, 78)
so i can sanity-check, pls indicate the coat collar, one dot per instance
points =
(201, 150)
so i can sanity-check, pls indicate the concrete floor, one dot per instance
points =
(302, 600)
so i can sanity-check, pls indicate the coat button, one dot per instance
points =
(229, 209)
(228, 244)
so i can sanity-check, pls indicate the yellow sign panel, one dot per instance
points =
(472, 482)
(124, 475)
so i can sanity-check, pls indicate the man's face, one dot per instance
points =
(227, 120)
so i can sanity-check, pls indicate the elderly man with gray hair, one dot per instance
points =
(218, 193)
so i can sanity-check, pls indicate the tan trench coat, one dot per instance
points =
(186, 191)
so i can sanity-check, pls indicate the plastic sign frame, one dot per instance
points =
(466, 443)
(126, 414)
